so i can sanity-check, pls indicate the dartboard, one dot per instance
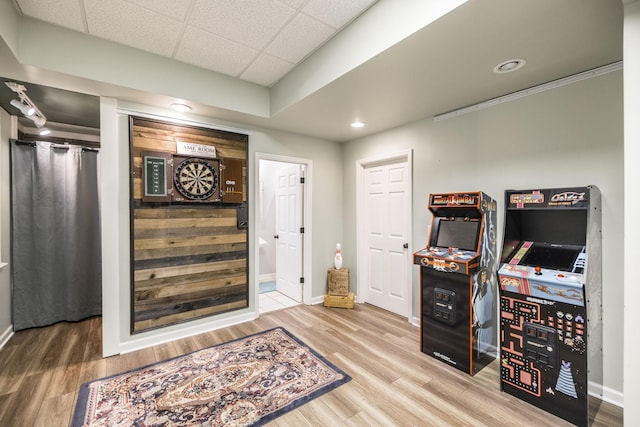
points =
(196, 179)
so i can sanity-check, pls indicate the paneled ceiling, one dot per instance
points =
(254, 40)
(444, 65)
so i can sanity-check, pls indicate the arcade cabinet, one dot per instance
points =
(458, 281)
(550, 299)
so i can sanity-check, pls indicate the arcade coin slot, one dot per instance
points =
(444, 306)
(541, 344)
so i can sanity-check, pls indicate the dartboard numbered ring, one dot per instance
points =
(197, 179)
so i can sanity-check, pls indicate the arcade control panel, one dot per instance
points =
(566, 285)
(450, 260)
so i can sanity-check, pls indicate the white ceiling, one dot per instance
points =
(439, 67)
(254, 40)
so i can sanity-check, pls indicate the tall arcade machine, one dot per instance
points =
(550, 299)
(458, 281)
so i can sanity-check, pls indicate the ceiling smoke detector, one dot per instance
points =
(180, 107)
(509, 66)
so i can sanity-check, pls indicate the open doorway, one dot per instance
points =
(281, 232)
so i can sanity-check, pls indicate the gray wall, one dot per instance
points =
(570, 136)
(266, 215)
(631, 251)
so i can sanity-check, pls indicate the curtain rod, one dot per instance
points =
(54, 145)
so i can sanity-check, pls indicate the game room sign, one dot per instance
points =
(197, 150)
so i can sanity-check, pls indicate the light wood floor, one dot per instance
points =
(393, 383)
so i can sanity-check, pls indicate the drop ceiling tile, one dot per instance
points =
(132, 25)
(336, 13)
(214, 53)
(176, 9)
(296, 4)
(266, 70)
(252, 23)
(65, 13)
(300, 37)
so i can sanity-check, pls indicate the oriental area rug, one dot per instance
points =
(248, 381)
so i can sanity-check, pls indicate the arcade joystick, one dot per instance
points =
(538, 270)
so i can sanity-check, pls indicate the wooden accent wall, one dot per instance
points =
(189, 260)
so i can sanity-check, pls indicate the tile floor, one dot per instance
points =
(274, 300)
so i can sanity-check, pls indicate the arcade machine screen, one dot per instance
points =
(458, 233)
(551, 256)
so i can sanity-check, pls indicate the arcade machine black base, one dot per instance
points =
(543, 358)
(448, 333)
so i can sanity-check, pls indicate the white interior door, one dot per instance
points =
(289, 241)
(387, 227)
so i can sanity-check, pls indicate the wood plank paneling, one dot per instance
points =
(189, 260)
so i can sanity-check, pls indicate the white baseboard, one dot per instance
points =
(183, 332)
(415, 321)
(6, 335)
(267, 277)
(606, 394)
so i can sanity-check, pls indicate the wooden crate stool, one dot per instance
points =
(338, 294)
(338, 282)
(339, 301)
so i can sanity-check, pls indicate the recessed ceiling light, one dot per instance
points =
(44, 132)
(183, 108)
(509, 66)
(357, 124)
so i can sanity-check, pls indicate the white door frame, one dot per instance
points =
(361, 241)
(306, 223)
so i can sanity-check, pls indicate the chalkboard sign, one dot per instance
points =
(154, 175)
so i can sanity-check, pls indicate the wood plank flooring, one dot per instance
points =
(393, 383)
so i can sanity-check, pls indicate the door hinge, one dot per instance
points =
(301, 230)
(302, 180)
(302, 280)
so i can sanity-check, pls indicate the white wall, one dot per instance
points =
(6, 328)
(632, 207)
(326, 221)
(267, 216)
(570, 136)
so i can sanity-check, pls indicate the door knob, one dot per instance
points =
(406, 246)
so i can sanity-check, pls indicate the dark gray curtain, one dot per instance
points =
(56, 251)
